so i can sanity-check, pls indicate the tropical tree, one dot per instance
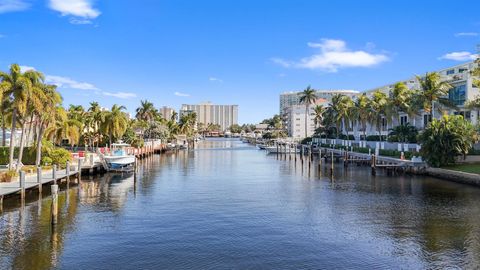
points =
(235, 128)
(380, 109)
(433, 90)
(318, 115)
(18, 86)
(403, 133)
(364, 111)
(447, 138)
(65, 128)
(47, 116)
(307, 97)
(116, 123)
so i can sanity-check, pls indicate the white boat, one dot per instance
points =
(118, 159)
(261, 146)
(280, 149)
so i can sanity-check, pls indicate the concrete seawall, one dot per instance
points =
(454, 176)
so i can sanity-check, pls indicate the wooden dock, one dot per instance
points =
(28, 182)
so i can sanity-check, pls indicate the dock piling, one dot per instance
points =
(79, 174)
(22, 185)
(54, 174)
(39, 179)
(54, 189)
(67, 171)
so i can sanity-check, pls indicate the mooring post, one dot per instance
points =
(54, 207)
(39, 179)
(67, 171)
(22, 185)
(1, 203)
(79, 170)
(332, 162)
(54, 174)
(374, 165)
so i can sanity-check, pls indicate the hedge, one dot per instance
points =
(28, 158)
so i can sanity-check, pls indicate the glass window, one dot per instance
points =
(450, 71)
(456, 95)
(461, 70)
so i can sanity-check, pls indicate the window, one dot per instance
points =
(461, 70)
(427, 118)
(450, 71)
(403, 120)
(467, 115)
(384, 123)
(456, 95)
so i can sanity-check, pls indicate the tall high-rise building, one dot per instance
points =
(208, 113)
(166, 112)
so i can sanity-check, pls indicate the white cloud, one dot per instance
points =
(77, 8)
(459, 56)
(179, 94)
(2, 36)
(333, 54)
(213, 79)
(13, 5)
(122, 95)
(466, 34)
(80, 21)
(26, 68)
(64, 82)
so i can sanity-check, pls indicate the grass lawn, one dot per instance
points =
(469, 168)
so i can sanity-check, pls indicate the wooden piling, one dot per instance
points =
(67, 171)
(79, 174)
(54, 207)
(54, 174)
(374, 165)
(22, 185)
(39, 179)
(332, 165)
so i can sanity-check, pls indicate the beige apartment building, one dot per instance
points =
(223, 115)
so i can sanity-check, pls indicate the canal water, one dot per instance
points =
(227, 205)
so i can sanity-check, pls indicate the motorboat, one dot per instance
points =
(261, 146)
(118, 159)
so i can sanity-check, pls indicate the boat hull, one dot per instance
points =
(119, 162)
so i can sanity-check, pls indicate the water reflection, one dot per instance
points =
(228, 205)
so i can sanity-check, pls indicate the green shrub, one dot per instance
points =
(377, 138)
(445, 139)
(60, 156)
(27, 159)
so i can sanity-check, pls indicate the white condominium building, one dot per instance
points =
(463, 90)
(208, 113)
(166, 112)
(295, 121)
(288, 99)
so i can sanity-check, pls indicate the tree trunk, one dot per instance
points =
(22, 141)
(29, 128)
(38, 157)
(12, 138)
(4, 131)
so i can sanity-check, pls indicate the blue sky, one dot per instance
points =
(230, 52)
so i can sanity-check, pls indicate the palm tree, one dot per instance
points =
(380, 110)
(96, 118)
(399, 99)
(46, 117)
(364, 112)
(18, 86)
(116, 123)
(64, 128)
(146, 111)
(307, 97)
(433, 90)
(318, 115)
